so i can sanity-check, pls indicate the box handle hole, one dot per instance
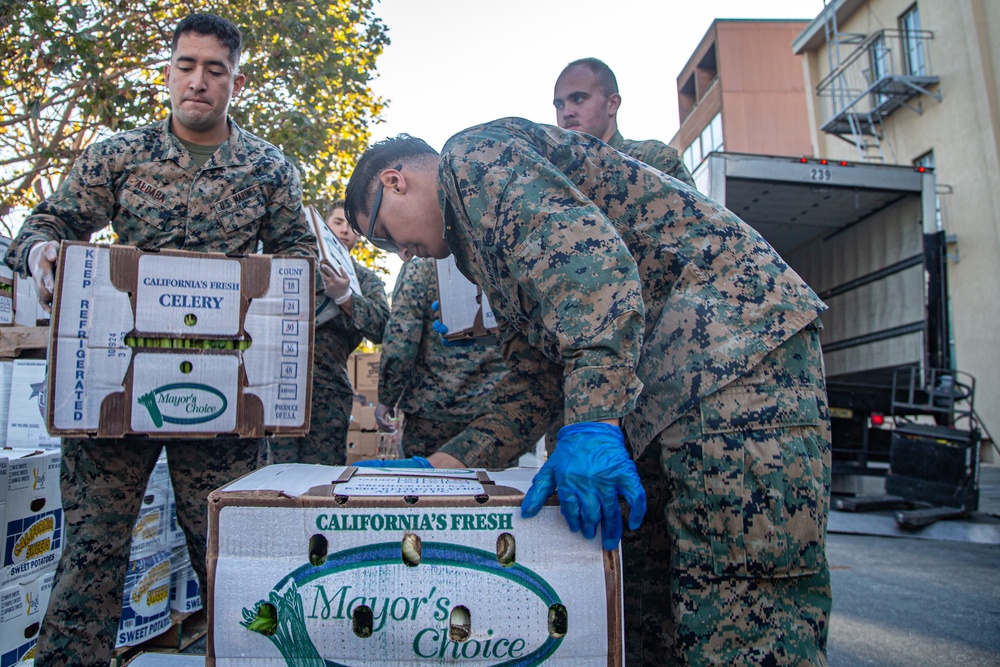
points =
(411, 549)
(362, 621)
(460, 624)
(505, 549)
(558, 621)
(318, 546)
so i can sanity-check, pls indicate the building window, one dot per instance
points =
(913, 45)
(709, 140)
(927, 160)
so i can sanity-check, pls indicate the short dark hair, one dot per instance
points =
(401, 149)
(339, 203)
(605, 77)
(210, 24)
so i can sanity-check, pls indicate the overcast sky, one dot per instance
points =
(456, 63)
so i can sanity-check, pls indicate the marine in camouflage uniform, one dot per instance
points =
(332, 394)
(620, 293)
(157, 195)
(439, 388)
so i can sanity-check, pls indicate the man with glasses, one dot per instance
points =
(645, 310)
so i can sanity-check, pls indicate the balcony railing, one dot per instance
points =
(885, 71)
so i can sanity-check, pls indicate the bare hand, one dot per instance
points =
(385, 417)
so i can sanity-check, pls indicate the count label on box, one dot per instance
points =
(352, 566)
(174, 343)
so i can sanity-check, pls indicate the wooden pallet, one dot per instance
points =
(15, 339)
(185, 629)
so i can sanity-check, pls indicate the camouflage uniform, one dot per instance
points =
(655, 154)
(332, 394)
(439, 388)
(623, 294)
(148, 186)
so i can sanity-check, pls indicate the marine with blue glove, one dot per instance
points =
(682, 352)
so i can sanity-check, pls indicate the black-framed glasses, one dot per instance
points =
(381, 243)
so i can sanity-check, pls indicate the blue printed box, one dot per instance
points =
(32, 527)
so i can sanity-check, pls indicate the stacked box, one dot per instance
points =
(149, 534)
(6, 374)
(175, 343)
(26, 410)
(185, 593)
(32, 530)
(27, 311)
(22, 607)
(6, 286)
(360, 566)
(464, 309)
(146, 602)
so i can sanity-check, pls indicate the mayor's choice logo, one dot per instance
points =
(366, 603)
(183, 403)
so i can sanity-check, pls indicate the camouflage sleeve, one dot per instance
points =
(404, 331)
(84, 203)
(287, 231)
(370, 309)
(660, 155)
(525, 402)
(572, 267)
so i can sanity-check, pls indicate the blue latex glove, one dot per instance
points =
(442, 329)
(589, 469)
(414, 462)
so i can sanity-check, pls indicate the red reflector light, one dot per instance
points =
(823, 161)
(803, 160)
(878, 419)
(843, 163)
(921, 170)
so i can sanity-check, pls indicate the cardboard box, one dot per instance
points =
(335, 253)
(363, 418)
(22, 607)
(6, 286)
(27, 311)
(150, 532)
(26, 410)
(361, 445)
(366, 374)
(464, 309)
(105, 378)
(146, 601)
(185, 595)
(6, 374)
(32, 527)
(331, 566)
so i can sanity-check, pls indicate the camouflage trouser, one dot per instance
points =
(326, 442)
(422, 436)
(729, 566)
(103, 483)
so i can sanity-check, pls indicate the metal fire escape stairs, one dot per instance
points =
(884, 71)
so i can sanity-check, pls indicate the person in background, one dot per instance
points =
(586, 99)
(361, 316)
(439, 386)
(195, 181)
(685, 355)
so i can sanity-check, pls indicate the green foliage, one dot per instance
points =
(75, 71)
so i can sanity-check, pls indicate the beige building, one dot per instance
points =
(910, 83)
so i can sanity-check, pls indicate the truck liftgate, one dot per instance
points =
(867, 239)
